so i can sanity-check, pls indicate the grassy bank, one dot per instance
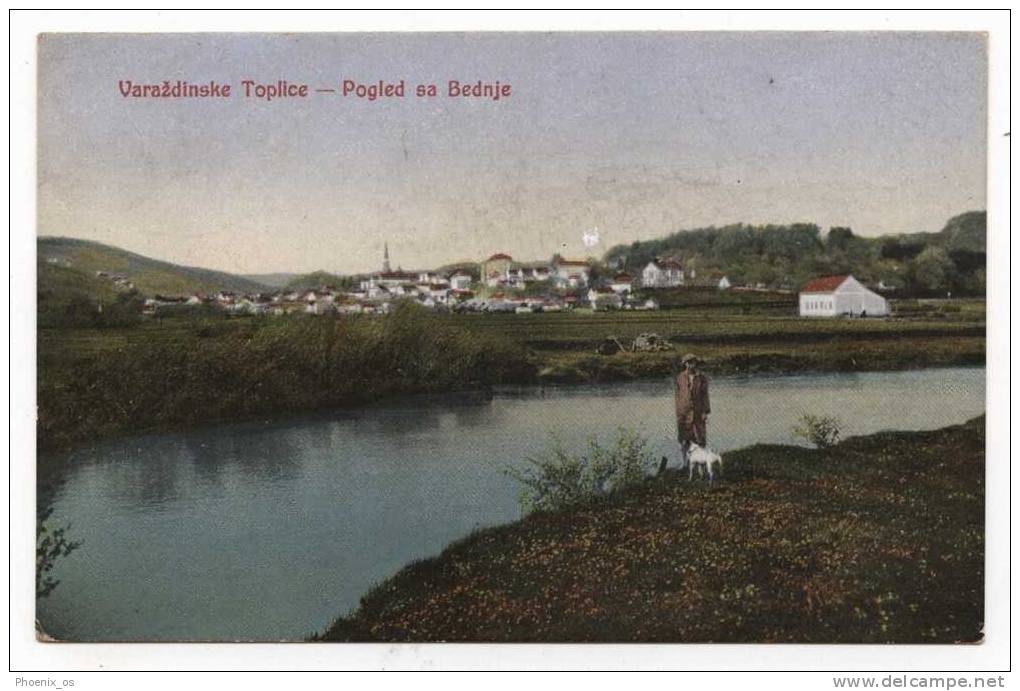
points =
(95, 383)
(834, 354)
(878, 539)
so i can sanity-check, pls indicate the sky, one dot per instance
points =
(619, 136)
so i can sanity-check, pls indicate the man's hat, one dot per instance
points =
(689, 358)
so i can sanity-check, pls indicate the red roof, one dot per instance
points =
(568, 262)
(825, 284)
(498, 256)
(622, 278)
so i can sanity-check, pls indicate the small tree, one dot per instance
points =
(820, 430)
(51, 544)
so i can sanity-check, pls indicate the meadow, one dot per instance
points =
(741, 334)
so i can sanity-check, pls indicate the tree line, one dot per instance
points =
(786, 256)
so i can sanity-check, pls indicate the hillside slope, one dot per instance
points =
(150, 276)
(275, 280)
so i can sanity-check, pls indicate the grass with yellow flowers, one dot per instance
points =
(878, 539)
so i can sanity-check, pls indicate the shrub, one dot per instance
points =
(820, 430)
(51, 544)
(560, 479)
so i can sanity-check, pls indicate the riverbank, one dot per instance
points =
(879, 539)
(95, 384)
(101, 383)
(838, 354)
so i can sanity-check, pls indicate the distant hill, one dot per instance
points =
(967, 232)
(149, 276)
(277, 280)
(468, 267)
(786, 256)
(318, 279)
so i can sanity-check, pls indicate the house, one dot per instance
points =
(391, 279)
(460, 281)
(498, 263)
(663, 273)
(604, 299)
(387, 280)
(287, 307)
(622, 284)
(539, 272)
(528, 272)
(374, 291)
(836, 296)
(493, 279)
(568, 273)
(514, 278)
(724, 283)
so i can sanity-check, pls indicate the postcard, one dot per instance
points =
(653, 336)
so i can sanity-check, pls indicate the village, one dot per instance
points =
(502, 285)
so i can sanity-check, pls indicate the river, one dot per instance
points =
(266, 531)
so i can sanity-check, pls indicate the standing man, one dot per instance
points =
(692, 408)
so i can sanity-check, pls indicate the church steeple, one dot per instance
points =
(386, 257)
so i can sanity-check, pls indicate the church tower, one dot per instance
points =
(386, 258)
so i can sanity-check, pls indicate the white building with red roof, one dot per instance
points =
(498, 263)
(461, 281)
(663, 273)
(604, 299)
(569, 273)
(840, 296)
(622, 283)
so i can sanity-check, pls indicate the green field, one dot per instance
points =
(741, 338)
(581, 328)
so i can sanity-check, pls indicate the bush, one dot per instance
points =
(820, 430)
(561, 479)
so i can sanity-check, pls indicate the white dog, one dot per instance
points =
(703, 458)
